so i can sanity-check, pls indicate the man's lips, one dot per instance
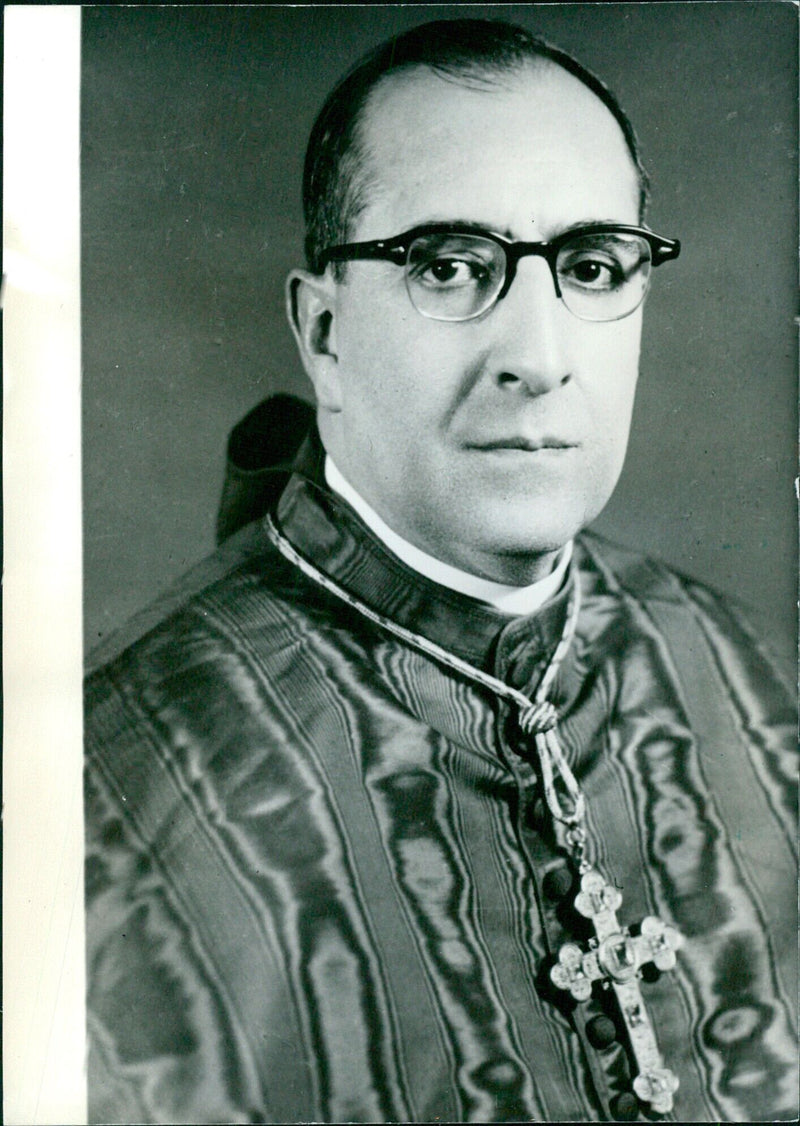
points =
(520, 442)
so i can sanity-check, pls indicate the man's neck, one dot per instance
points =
(509, 599)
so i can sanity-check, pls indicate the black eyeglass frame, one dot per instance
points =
(396, 249)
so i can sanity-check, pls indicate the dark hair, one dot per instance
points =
(335, 182)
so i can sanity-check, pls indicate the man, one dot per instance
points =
(416, 802)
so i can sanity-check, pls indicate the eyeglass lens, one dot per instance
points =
(455, 277)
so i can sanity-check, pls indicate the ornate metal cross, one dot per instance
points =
(614, 958)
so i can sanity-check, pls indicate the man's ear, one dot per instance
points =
(310, 307)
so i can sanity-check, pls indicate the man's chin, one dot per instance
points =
(516, 556)
(524, 527)
(525, 538)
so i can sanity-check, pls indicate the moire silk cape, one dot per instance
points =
(317, 859)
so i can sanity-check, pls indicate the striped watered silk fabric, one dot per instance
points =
(317, 860)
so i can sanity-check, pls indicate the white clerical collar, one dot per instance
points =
(515, 600)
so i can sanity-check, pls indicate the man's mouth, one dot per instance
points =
(524, 443)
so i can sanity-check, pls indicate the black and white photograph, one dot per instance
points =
(439, 556)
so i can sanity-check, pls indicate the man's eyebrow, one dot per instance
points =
(462, 224)
(505, 232)
(592, 221)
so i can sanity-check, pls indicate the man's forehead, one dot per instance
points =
(444, 142)
(421, 89)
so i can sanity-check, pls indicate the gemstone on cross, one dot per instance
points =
(614, 958)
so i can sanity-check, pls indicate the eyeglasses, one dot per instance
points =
(455, 272)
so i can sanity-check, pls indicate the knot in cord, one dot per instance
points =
(538, 718)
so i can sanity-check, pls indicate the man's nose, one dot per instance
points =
(532, 327)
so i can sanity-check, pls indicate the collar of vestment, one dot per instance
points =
(327, 531)
(511, 600)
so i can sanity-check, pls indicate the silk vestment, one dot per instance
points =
(318, 860)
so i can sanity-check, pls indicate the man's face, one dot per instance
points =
(431, 418)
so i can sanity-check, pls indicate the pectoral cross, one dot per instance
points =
(614, 958)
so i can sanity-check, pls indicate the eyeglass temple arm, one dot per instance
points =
(385, 249)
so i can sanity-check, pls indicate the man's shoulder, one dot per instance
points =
(644, 578)
(680, 604)
(628, 571)
(245, 559)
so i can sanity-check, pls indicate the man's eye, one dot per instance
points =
(592, 272)
(451, 272)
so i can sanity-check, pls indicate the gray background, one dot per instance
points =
(193, 131)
